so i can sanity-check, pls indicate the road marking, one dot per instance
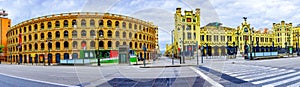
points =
(280, 77)
(270, 75)
(282, 82)
(256, 71)
(294, 85)
(259, 74)
(251, 69)
(58, 84)
(211, 81)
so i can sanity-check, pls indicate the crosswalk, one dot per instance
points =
(263, 75)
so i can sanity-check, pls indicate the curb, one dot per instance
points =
(166, 66)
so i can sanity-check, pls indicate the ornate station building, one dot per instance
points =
(78, 35)
(282, 38)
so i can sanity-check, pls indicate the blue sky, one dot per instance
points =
(260, 13)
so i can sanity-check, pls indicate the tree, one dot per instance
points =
(1, 48)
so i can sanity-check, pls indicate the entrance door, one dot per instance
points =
(25, 59)
(20, 57)
(66, 56)
(49, 58)
(57, 57)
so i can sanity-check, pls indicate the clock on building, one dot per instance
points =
(245, 29)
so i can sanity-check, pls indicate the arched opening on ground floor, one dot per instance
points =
(57, 57)
(49, 58)
(66, 56)
(75, 55)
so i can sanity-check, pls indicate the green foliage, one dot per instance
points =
(1, 47)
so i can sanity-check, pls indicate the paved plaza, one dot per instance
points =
(227, 72)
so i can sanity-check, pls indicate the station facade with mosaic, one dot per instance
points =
(78, 35)
(217, 39)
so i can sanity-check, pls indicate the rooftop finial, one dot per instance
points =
(245, 18)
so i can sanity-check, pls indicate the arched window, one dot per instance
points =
(109, 23)
(66, 34)
(100, 23)
(30, 47)
(83, 45)
(92, 44)
(83, 23)
(117, 24)
(109, 34)
(140, 36)
(124, 43)
(42, 36)
(135, 45)
(83, 33)
(101, 34)
(92, 23)
(130, 35)
(35, 27)
(135, 36)
(35, 37)
(57, 45)
(57, 24)
(42, 26)
(25, 38)
(75, 44)
(101, 44)
(25, 47)
(124, 25)
(66, 44)
(130, 44)
(25, 29)
(66, 23)
(74, 23)
(92, 33)
(49, 45)
(130, 26)
(35, 46)
(29, 28)
(117, 44)
(57, 34)
(124, 34)
(135, 26)
(49, 25)
(143, 37)
(49, 35)
(74, 34)
(30, 37)
(42, 46)
(109, 44)
(117, 34)
(140, 45)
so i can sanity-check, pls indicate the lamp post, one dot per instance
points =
(172, 47)
(10, 56)
(98, 50)
(297, 45)
(48, 41)
(181, 50)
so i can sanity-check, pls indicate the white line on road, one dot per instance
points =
(211, 81)
(269, 75)
(58, 84)
(272, 79)
(294, 85)
(282, 82)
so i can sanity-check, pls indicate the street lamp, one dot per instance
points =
(98, 51)
(172, 47)
(48, 41)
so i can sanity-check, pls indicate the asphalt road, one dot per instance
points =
(106, 75)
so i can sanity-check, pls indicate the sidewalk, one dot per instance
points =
(207, 61)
